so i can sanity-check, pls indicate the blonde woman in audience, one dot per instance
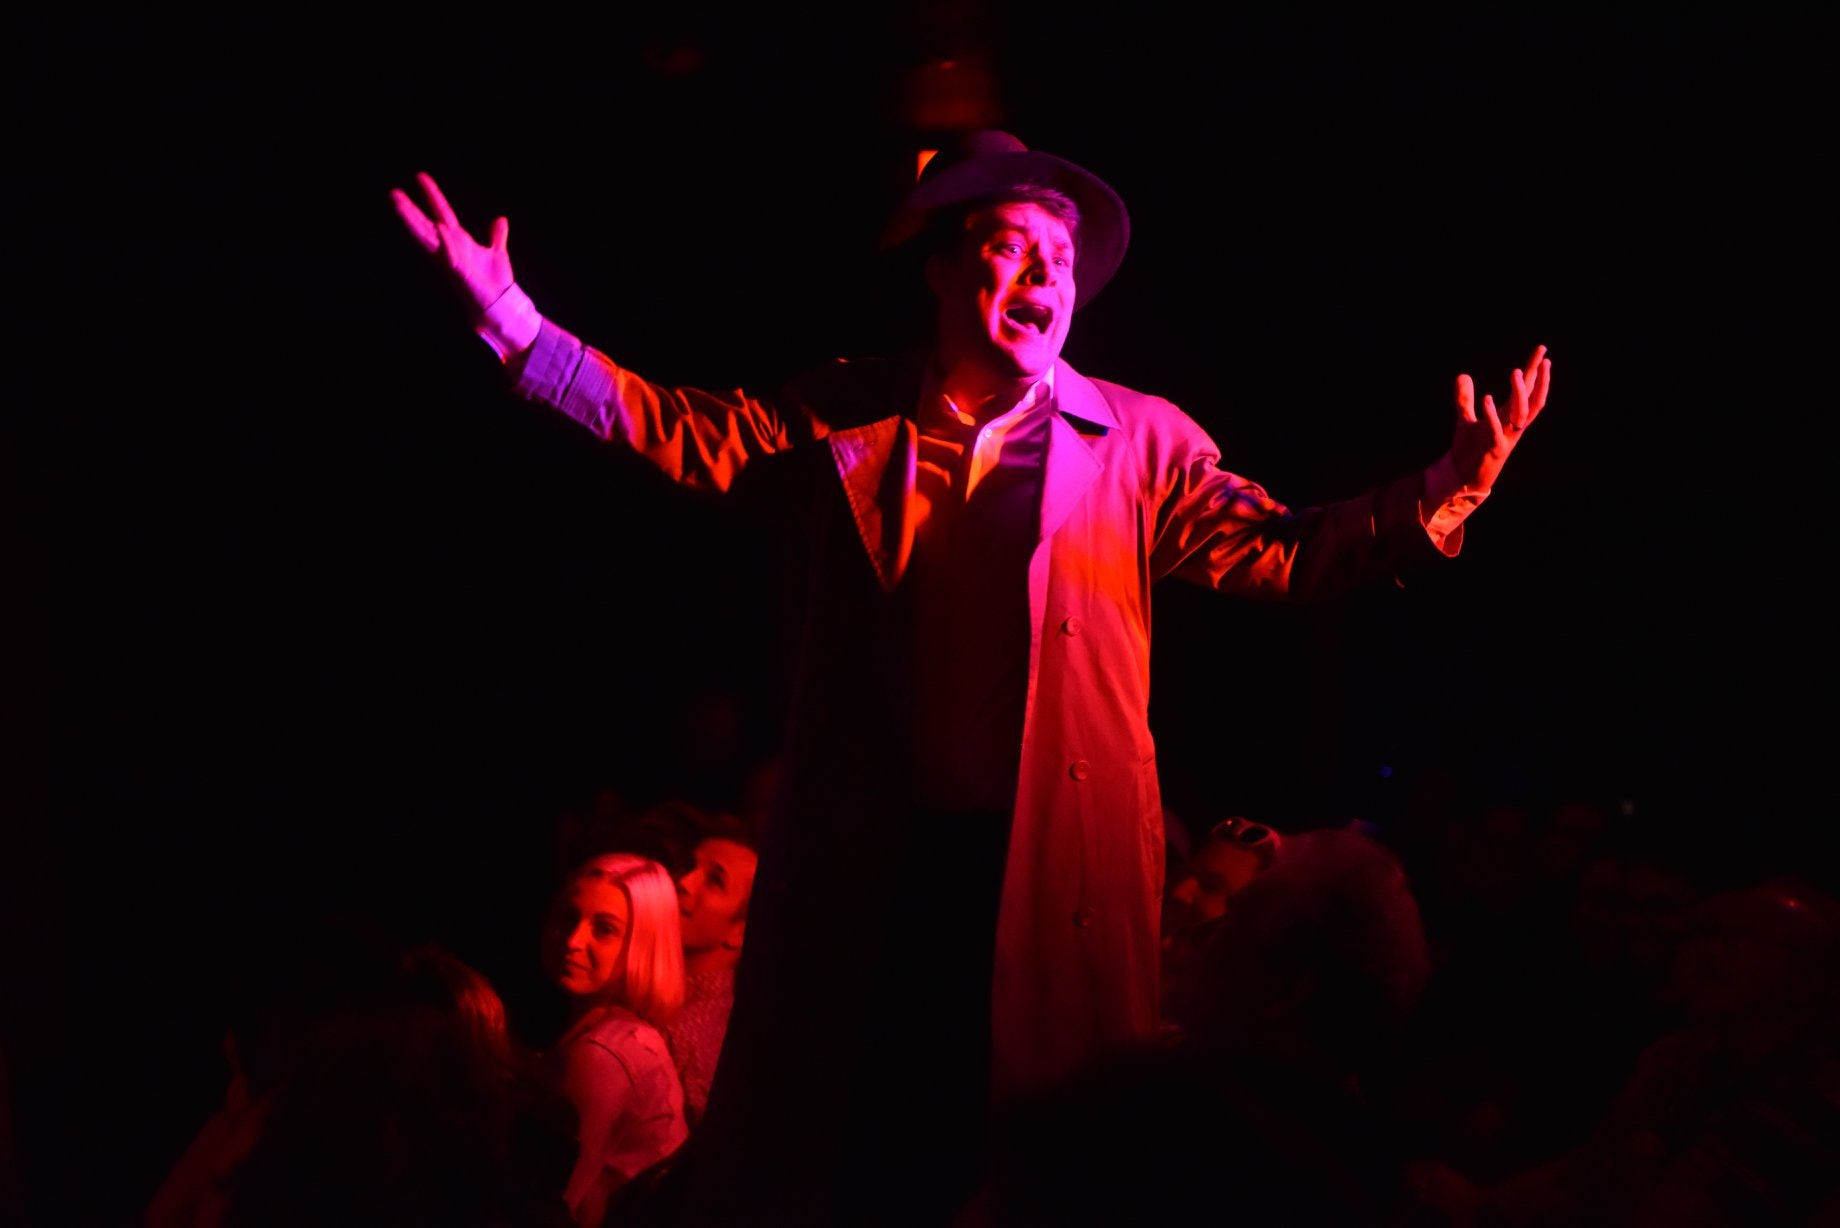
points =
(611, 943)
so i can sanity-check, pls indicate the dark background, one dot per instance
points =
(304, 614)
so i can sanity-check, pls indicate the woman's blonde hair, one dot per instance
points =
(653, 987)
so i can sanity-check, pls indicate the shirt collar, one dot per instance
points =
(937, 409)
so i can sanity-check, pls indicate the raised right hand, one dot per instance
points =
(482, 272)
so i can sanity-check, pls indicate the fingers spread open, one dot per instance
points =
(443, 212)
(1488, 412)
(1536, 400)
(1466, 398)
(416, 221)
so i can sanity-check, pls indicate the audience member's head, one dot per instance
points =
(1219, 867)
(1320, 960)
(713, 893)
(1308, 972)
(1757, 953)
(612, 937)
(436, 977)
(1203, 881)
(403, 1104)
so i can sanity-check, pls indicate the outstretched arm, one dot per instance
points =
(481, 272)
(699, 438)
(1223, 531)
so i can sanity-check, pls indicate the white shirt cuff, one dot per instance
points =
(1446, 504)
(510, 324)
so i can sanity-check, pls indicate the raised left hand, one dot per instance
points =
(1482, 442)
(480, 271)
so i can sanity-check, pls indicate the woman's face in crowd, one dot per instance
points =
(584, 942)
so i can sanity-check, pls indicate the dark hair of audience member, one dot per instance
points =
(403, 1099)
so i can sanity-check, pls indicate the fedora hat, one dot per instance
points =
(984, 162)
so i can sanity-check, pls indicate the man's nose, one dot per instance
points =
(1040, 270)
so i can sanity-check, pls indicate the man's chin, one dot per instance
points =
(1034, 358)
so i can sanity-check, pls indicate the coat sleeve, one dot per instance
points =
(1213, 527)
(699, 438)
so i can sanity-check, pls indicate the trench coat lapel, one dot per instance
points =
(876, 462)
(1071, 466)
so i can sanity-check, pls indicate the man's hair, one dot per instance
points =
(665, 831)
(653, 987)
(727, 825)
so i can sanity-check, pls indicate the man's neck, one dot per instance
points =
(981, 395)
(715, 959)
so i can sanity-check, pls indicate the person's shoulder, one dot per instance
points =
(1126, 402)
(1136, 415)
(616, 1024)
(628, 1037)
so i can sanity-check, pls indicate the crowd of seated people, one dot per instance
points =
(374, 1080)
(1482, 1014)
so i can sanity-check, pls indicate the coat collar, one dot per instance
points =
(877, 462)
(1075, 397)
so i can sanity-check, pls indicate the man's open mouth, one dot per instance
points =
(1030, 315)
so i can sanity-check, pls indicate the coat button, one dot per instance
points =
(1080, 769)
(1071, 626)
(1083, 917)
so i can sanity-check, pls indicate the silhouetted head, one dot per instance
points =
(1321, 957)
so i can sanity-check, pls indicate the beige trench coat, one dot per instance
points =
(1133, 492)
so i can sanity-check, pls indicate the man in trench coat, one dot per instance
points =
(958, 899)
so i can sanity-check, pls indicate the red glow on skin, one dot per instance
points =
(1006, 300)
(585, 945)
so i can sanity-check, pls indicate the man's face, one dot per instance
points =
(1219, 869)
(1006, 295)
(584, 941)
(713, 892)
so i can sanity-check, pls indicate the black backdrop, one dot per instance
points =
(304, 614)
